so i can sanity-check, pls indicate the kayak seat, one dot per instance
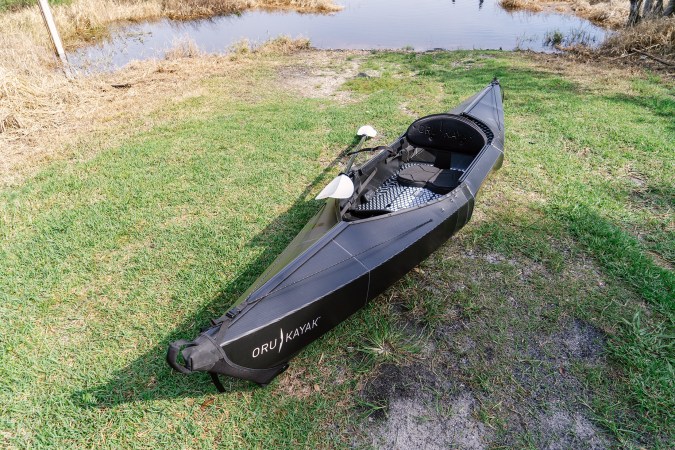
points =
(445, 134)
(440, 181)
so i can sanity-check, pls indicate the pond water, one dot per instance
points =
(362, 24)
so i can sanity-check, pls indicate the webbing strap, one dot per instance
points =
(216, 381)
(371, 149)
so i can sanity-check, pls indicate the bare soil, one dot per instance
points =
(493, 378)
(320, 75)
(419, 408)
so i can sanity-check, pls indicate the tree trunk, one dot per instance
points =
(652, 9)
(649, 9)
(634, 15)
(647, 6)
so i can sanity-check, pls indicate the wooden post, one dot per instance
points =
(54, 34)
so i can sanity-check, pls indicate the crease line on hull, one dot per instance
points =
(496, 113)
(313, 253)
(362, 265)
(277, 289)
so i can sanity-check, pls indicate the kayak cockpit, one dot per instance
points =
(425, 164)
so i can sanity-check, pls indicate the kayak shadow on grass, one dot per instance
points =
(657, 106)
(149, 377)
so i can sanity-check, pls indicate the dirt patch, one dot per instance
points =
(414, 423)
(555, 398)
(576, 341)
(320, 75)
(391, 382)
(558, 429)
(491, 258)
(414, 408)
(581, 340)
(501, 367)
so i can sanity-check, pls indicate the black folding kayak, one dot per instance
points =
(406, 201)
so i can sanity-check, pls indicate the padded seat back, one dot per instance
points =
(443, 134)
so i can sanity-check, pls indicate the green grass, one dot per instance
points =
(105, 260)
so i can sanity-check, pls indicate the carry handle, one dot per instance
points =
(172, 355)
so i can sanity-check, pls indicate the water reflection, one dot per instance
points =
(362, 24)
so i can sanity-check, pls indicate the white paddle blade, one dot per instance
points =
(341, 187)
(367, 130)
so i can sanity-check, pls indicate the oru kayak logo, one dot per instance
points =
(278, 343)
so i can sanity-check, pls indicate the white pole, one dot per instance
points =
(54, 34)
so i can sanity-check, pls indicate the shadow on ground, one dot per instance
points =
(149, 377)
(660, 106)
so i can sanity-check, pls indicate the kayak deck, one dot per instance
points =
(392, 196)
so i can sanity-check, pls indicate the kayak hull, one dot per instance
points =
(334, 267)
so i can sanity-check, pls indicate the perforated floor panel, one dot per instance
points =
(391, 196)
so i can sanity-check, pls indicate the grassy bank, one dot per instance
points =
(608, 13)
(547, 321)
(654, 36)
(625, 45)
(189, 8)
(41, 111)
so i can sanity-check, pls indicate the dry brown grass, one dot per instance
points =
(183, 47)
(77, 22)
(36, 100)
(34, 94)
(282, 45)
(657, 36)
(189, 9)
(607, 13)
(42, 114)
(649, 46)
(513, 5)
